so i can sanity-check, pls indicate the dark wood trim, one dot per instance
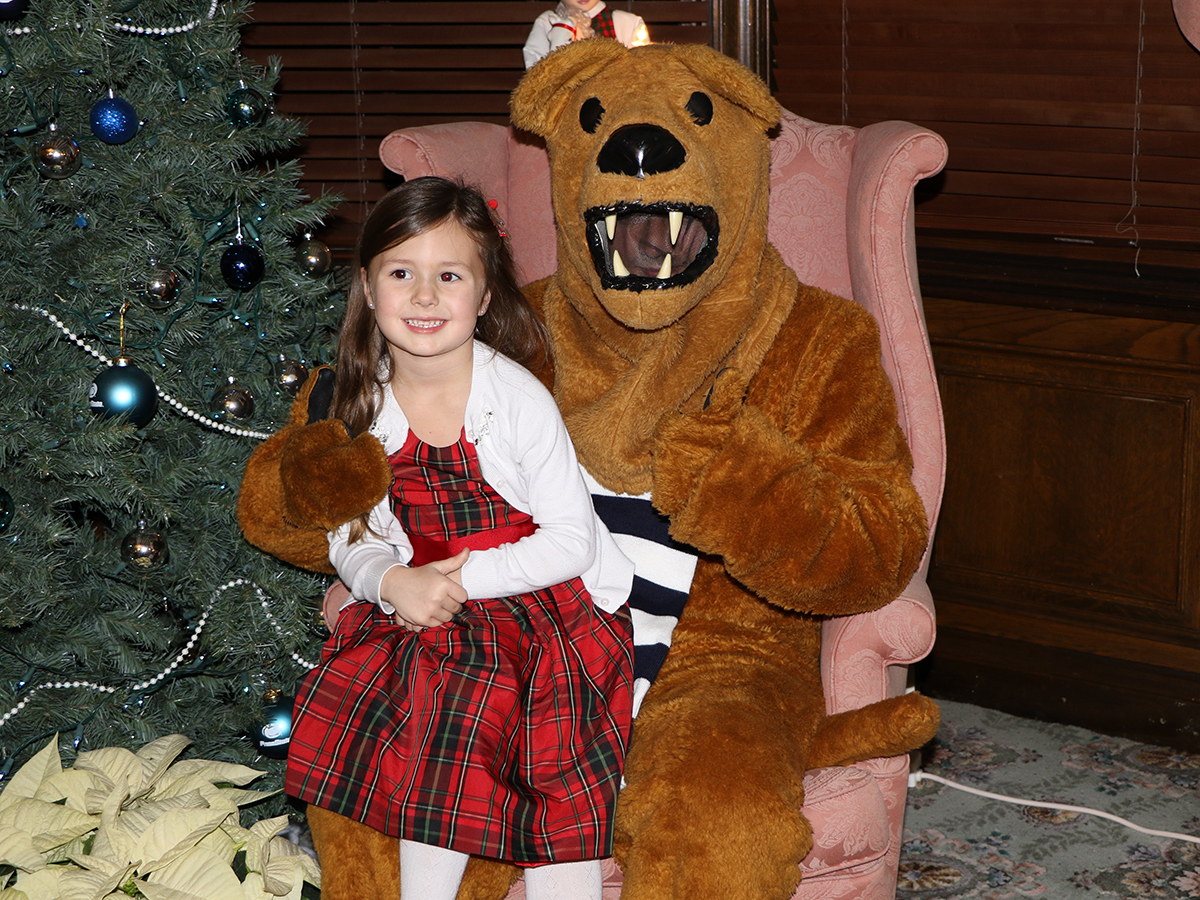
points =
(1141, 702)
(742, 29)
(1126, 288)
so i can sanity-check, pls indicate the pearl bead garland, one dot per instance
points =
(182, 655)
(178, 29)
(135, 29)
(180, 407)
(296, 657)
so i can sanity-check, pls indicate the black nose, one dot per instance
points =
(641, 150)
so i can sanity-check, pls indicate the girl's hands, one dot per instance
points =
(425, 596)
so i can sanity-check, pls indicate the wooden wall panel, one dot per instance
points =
(1068, 548)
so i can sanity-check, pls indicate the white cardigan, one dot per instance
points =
(527, 457)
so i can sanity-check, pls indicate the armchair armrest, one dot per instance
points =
(863, 656)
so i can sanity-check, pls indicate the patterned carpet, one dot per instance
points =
(957, 845)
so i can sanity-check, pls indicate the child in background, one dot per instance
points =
(474, 697)
(577, 20)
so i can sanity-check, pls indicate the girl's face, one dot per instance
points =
(427, 293)
(583, 5)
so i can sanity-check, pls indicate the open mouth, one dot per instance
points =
(647, 247)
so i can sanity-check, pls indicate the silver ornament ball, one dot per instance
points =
(144, 548)
(235, 401)
(160, 289)
(291, 374)
(314, 257)
(57, 157)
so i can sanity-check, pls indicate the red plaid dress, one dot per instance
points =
(501, 733)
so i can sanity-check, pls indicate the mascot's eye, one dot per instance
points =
(700, 106)
(590, 114)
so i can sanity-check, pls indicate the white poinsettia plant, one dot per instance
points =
(120, 824)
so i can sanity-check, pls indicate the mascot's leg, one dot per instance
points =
(359, 862)
(356, 860)
(487, 879)
(714, 776)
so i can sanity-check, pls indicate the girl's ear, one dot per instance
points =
(483, 304)
(366, 283)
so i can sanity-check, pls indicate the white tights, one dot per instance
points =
(565, 881)
(434, 873)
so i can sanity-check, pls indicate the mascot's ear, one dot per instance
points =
(540, 98)
(730, 80)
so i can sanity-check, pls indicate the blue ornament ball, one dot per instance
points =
(124, 390)
(12, 9)
(242, 266)
(246, 107)
(114, 120)
(273, 734)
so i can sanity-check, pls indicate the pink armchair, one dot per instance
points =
(841, 214)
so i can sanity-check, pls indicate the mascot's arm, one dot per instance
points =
(804, 488)
(308, 478)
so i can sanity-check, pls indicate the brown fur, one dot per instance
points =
(305, 480)
(757, 413)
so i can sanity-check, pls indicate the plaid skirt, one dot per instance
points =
(501, 733)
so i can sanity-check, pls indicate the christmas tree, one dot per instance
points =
(162, 298)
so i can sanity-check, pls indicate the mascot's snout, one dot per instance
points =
(639, 247)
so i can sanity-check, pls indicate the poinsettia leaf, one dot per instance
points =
(200, 872)
(49, 825)
(285, 875)
(257, 850)
(75, 786)
(174, 833)
(252, 888)
(40, 885)
(16, 849)
(90, 884)
(158, 755)
(115, 766)
(162, 892)
(212, 771)
(27, 779)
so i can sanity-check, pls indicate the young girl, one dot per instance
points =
(477, 698)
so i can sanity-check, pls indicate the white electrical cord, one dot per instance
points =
(915, 778)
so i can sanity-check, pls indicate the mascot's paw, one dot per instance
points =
(328, 478)
(684, 443)
(287, 503)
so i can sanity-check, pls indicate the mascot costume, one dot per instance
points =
(752, 412)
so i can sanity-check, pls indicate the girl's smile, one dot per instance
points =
(428, 293)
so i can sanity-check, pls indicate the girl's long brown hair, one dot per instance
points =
(509, 326)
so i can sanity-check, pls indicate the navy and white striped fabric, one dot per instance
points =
(662, 579)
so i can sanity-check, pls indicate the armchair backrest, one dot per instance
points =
(841, 215)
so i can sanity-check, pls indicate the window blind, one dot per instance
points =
(1073, 126)
(355, 71)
